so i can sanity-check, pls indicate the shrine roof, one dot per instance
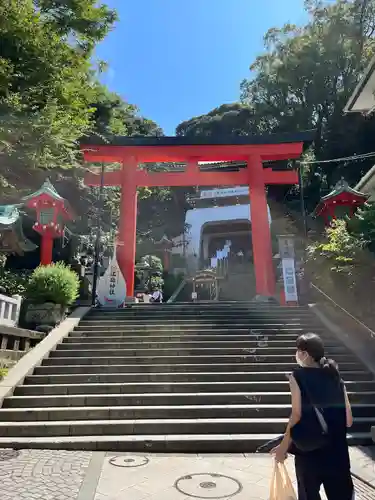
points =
(9, 215)
(46, 188)
(25, 244)
(10, 220)
(305, 136)
(343, 187)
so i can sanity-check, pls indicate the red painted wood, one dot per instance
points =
(192, 178)
(46, 249)
(254, 175)
(127, 229)
(260, 230)
(230, 152)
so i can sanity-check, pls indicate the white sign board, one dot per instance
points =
(224, 193)
(290, 283)
(112, 286)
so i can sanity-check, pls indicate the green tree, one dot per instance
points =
(84, 21)
(302, 81)
(47, 80)
(339, 248)
(362, 225)
(227, 120)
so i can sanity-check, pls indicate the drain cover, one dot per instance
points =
(8, 454)
(363, 490)
(208, 485)
(129, 461)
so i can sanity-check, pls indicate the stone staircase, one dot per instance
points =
(239, 284)
(179, 377)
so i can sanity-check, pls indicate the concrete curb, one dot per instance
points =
(362, 353)
(36, 355)
(93, 473)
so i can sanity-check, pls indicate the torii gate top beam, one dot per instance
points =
(181, 149)
(131, 151)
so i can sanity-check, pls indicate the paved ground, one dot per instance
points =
(42, 474)
(62, 475)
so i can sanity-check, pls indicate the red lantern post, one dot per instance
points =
(52, 212)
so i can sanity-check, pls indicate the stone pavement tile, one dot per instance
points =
(208, 476)
(157, 479)
(42, 475)
(363, 462)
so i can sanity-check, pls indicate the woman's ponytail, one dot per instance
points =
(329, 364)
(313, 345)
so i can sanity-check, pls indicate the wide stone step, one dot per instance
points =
(49, 368)
(158, 399)
(193, 308)
(209, 324)
(262, 341)
(89, 358)
(156, 426)
(169, 443)
(223, 336)
(179, 387)
(100, 377)
(181, 351)
(232, 315)
(160, 412)
(179, 308)
(176, 333)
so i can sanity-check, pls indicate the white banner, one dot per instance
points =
(112, 285)
(290, 282)
(223, 193)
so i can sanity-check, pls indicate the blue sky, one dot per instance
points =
(176, 59)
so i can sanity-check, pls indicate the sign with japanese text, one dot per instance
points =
(290, 282)
(112, 286)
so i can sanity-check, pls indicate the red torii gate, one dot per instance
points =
(132, 151)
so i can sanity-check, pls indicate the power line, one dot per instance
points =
(336, 160)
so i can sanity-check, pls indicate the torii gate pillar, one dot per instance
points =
(260, 228)
(127, 236)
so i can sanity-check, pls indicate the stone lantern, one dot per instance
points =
(52, 212)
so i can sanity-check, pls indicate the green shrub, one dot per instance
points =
(55, 283)
(14, 283)
(152, 262)
(155, 283)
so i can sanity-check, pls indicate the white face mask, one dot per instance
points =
(300, 361)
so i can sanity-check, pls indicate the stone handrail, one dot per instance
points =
(177, 292)
(9, 309)
(18, 339)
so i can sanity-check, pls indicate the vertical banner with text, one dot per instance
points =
(287, 256)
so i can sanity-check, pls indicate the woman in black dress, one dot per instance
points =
(317, 382)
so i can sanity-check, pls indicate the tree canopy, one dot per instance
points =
(50, 93)
(302, 81)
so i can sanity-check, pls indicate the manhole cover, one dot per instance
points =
(8, 455)
(208, 485)
(129, 461)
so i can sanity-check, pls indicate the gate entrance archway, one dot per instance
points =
(130, 152)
